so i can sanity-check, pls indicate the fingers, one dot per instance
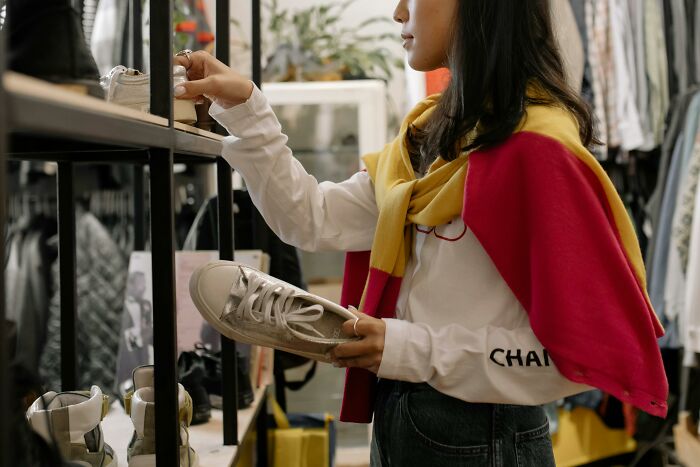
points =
(370, 363)
(349, 328)
(183, 61)
(195, 89)
(358, 348)
(366, 325)
(194, 60)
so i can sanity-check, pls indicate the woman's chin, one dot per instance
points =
(418, 63)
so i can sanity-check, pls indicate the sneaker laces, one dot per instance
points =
(273, 304)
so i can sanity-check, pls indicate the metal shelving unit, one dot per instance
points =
(39, 121)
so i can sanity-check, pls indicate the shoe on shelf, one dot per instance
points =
(192, 371)
(252, 307)
(131, 88)
(141, 407)
(71, 422)
(45, 40)
(213, 378)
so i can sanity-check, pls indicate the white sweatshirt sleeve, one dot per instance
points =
(302, 212)
(488, 365)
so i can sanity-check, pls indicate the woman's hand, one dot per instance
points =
(209, 77)
(365, 353)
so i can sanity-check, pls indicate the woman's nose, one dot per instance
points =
(401, 12)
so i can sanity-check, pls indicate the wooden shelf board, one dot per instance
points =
(197, 131)
(16, 83)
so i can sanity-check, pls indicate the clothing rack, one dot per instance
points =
(41, 122)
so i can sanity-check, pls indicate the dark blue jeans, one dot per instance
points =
(415, 425)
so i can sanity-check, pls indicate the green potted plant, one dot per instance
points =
(314, 44)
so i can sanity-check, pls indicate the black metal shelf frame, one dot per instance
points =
(32, 129)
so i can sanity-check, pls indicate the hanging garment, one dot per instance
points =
(684, 217)
(570, 43)
(696, 43)
(401, 199)
(624, 102)
(579, 9)
(89, 11)
(28, 288)
(101, 281)
(662, 238)
(680, 45)
(636, 15)
(107, 41)
(602, 69)
(653, 208)
(692, 296)
(656, 61)
(676, 284)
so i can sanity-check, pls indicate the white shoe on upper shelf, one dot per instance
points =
(131, 88)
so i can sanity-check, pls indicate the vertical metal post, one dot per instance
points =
(67, 268)
(257, 44)
(226, 243)
(261, 429)
(164, 307)
(228, 347)
(163, 240)
(139, 209)
(6, 390)
(223, 42)
(161, 17)
(136, 22)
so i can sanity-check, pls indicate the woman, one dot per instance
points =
(504, 272)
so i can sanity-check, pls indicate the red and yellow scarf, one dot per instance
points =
(553, 224)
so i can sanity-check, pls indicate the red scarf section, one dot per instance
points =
(543, 218)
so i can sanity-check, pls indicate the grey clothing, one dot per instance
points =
(653, 207)
(101, 277)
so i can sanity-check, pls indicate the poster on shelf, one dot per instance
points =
(136, 336)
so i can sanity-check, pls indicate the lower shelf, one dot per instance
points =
(206, 439)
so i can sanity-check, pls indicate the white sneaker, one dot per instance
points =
(252, 307)
(71, 421)
(131, 88)
(141, 407)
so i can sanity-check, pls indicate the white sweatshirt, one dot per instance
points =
(459, 328)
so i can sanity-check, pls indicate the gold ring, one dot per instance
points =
(185, 53)
(354, 327)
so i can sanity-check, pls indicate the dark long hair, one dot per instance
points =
(500, 47)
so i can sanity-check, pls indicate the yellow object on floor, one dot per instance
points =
(298, 447)
(584, 438)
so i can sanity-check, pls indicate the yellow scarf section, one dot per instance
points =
(404, 200)
(437, 198)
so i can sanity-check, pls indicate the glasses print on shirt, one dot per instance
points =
(453, 231)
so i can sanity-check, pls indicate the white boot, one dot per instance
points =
(71, 421)
(140, 405)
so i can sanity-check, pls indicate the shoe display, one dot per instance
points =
(192, 371)
(71, 422)
(45, 40)
(141, 407)
(212, 378)
(252, 307)
(131, 88)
